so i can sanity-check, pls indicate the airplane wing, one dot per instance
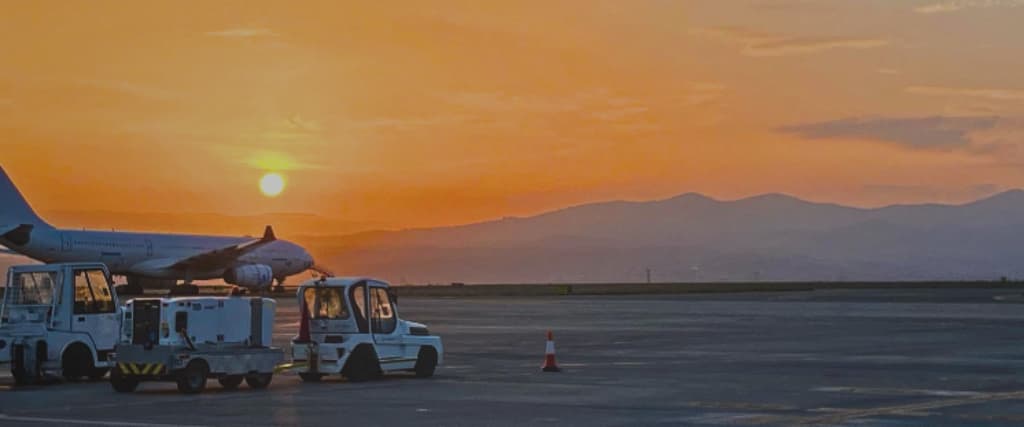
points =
(222, 257)
(321, 270)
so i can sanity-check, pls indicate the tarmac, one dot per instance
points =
(893, 357)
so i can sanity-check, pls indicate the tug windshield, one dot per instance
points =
(326, 303)
(32, 288)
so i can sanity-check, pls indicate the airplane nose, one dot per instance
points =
(308, 260)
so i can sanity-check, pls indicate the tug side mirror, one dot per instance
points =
(393, 296)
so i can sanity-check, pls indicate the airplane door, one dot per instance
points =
(149, 248)
(94, 312)
(65, 243)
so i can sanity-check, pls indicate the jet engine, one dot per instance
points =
(250, 276)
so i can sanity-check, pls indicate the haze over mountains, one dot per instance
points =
(693, 237)
(684, 238)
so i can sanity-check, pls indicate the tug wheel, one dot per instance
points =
(22, 374)
(192, 379)
(426, 362)
(230, 382)
(362, 365)
(76, 362)
(310, 377)
(259, 381)
(122, 383)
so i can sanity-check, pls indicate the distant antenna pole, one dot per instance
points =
(648, 275)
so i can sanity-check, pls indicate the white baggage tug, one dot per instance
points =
(59, 319)
(191, 339)
(350, 326)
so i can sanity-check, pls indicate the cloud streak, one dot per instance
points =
(958, 5)
(762, 44)
(242, 33)
(987, 93)
(913, 132)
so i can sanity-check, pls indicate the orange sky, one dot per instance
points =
(429, 113)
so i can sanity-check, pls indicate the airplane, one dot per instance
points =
(148, 259)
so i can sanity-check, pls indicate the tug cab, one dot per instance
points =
(350, 326)
(61, 319)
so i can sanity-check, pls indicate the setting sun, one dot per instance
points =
(272, 184)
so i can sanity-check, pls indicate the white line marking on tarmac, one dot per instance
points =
(897, 391)
(84, 422)
(912, 408)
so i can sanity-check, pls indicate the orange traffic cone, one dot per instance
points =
(549, 355)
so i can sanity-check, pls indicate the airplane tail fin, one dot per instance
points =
(14, 210)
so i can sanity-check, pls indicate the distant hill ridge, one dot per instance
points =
(695, 237)
(686, 237)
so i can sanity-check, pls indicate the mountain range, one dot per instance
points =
(692, 237)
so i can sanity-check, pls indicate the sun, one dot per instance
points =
(272, 184)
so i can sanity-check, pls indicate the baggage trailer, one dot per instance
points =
(58, 319)
(350, 326)
(188, 340)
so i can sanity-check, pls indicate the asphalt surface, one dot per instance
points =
(888, 358)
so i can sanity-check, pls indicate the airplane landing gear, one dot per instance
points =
(279, 288)
(184, 289)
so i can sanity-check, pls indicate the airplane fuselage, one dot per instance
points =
(147, 254)
(243, 261)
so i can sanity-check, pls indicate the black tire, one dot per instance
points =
(230, 382)
(98, 373)
(426, 362)
(362, 365)
(192, 379)
(310, 377)
(259, 381)
(122, 383)
(76, 363)
(22, 376)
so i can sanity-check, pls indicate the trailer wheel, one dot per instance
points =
(122, 383)
(259, 381)
(76, 362)
(192, 379)
(362, 365)
(310, 377)
(230, 382)
(426, 362)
